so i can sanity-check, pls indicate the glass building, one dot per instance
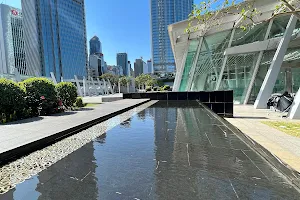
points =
(227, 57)
(164, 13)
(55, 37)
(95, 45)
(12, 50)
(122, 60)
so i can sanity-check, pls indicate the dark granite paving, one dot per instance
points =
(174, 150)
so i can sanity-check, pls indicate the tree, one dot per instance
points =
(210, 13)
(143, 79)
(111, 77)
(151, 82)
(124, 80)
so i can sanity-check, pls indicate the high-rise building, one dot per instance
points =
(164, 13)
(55, 37)
(12, 52)
(95, 66)
(129, 68)
(122, 60)
(139, 67)
(149, 66)
(95, 45)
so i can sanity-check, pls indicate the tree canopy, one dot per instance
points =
(145, 79)
(111, 77)
(209, 13)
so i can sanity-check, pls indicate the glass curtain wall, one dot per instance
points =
(239, 68)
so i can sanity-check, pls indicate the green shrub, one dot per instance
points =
(12, 101)
(40, 95)
(155, 89)
(79, 102)
(67, 92)
(166, 88)
(148, 89)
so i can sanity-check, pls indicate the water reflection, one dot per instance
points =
(172, 150)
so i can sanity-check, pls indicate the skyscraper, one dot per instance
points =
(122, 60)
(139, 67)
(150, 66)
(164, 13)
(12, 52)
(95, 45)
(55, 37)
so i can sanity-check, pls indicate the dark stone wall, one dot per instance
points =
(221, 102)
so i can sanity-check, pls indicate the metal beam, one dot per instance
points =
(193, 68)
(254, 74)
(180, 70)
(224, 61)
(272, 74)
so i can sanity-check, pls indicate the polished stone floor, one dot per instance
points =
(174, 150)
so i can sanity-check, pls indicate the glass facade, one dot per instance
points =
(164, 13)
(122, 61)
(239, 68)
(62, 37)
(95, 45)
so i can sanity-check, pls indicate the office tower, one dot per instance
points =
(129, 68)
(122, 60)
(150, 66)
(139, 67)
(12, 52)
(95, 45)
(55, 37)
(95, 66)
(164, 13)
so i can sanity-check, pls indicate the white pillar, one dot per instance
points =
(53, 78)
(219, 80)
(94, 87)
(100, 86)
(119, 87)
(294, 112)
(180, 69)
(17, 75)
(272, 74)
(254, 74)
(78, 86)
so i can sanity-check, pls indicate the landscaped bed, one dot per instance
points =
(291, 128)
(34, 97)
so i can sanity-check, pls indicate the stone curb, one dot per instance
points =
(26, 149)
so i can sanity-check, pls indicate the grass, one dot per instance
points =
(92, 104)
(291, 128)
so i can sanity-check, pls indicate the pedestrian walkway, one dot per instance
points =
(25, 132)
(284, 146)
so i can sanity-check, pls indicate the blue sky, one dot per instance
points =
(122, 26)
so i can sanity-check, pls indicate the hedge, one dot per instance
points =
(67, 92)
(12, 101)
(40, 95)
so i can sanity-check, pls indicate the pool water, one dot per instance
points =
(170, 150)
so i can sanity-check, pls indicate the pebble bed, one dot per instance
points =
(22, 169)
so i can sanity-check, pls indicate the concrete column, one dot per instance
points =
(254, 74)
(219, 80)
(272, 74)
(17, 75)
(294, 112)
(94, 87)
(84, 86)
(180, 69)
(53, 78)
(79, 91)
